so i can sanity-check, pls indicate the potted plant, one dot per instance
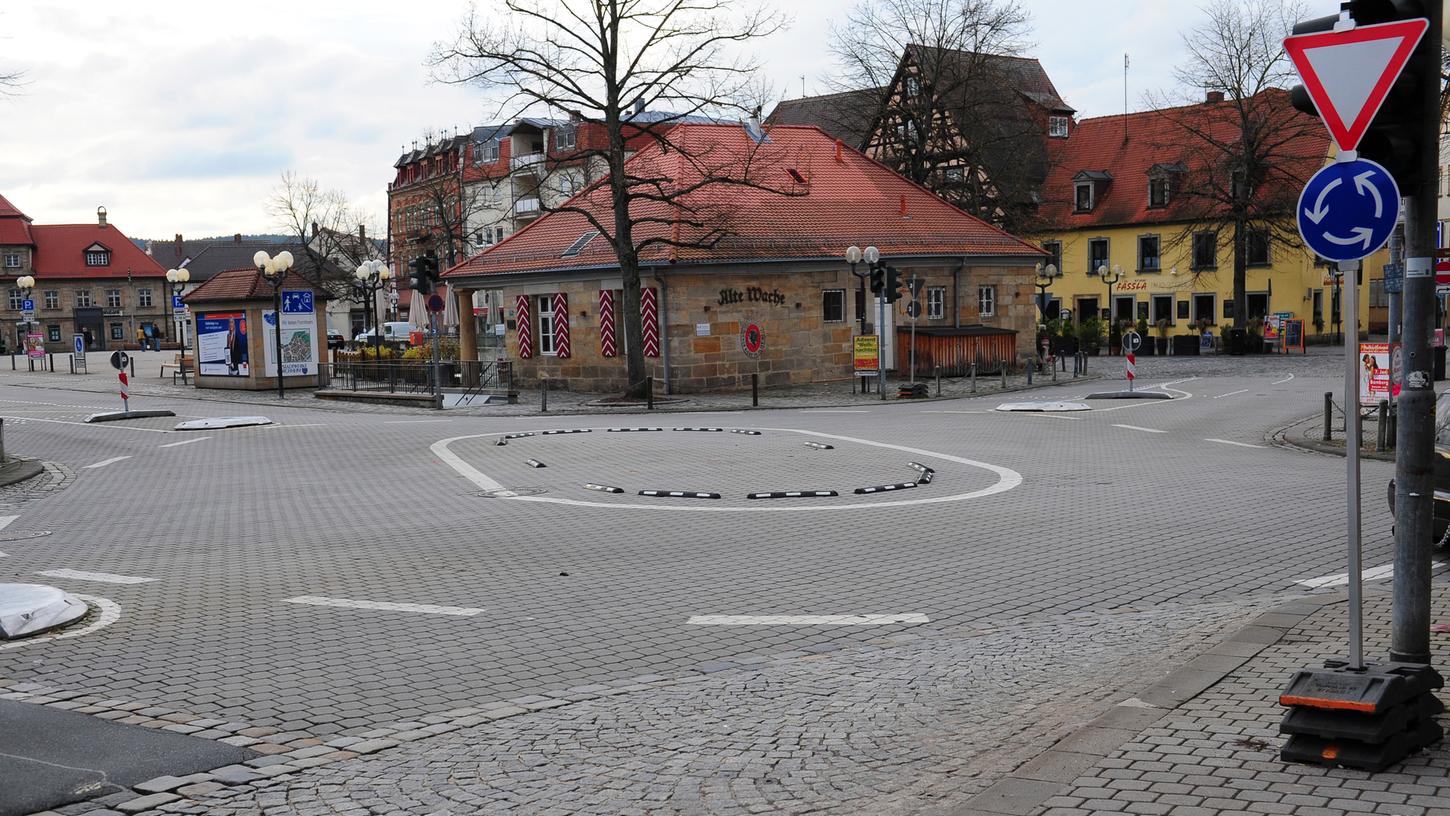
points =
(1090, 335)
(1187, 343)
(1161, 341)
(1115, 337)
(1145, 347)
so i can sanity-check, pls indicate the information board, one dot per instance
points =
(866, 353)
(1293, 335)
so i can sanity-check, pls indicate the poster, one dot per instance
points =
(299, 336)
(221, 344)
(35, 346)
(1379, 376)
(865, 350)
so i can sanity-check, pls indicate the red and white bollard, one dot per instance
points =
(125, 391)
(1132, 369)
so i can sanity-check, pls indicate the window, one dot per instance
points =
(143, 298)
(1257, 248)
(1054, 248)
(1057, 126)
(118, 331)
(113, 298)
(954, 175)
(936, 302)
(52, 299)
(1205, 250)
(13, 260)
(98, 257)
(1228, 309)
(83, 298)
(1182, 310)
(566, 137)
(1097, 254)
(912, 87)
(1148, 257)
(1158, 192)
(1083, 200)
(986, 301)
(1203, 308)
(546, 325)
(1163, 308)
(53, 333)
(833, 305)
(486, 152)
(16, 299)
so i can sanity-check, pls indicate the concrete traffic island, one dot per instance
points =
(30, 609)
(113, 416)
(1116, 395)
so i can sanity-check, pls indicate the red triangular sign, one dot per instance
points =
(1349, 73)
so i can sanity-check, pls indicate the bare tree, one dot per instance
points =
(599, 60)
(950, 113)
(331, 232)
(1241, 162)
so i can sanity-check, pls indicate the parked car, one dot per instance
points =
(335, 339)
(1440, 476)
(391, 332)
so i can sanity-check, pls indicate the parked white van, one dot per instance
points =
(392, 332)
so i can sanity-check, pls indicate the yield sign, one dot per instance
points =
(1349, 73)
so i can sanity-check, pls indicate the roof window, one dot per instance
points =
(579, 244)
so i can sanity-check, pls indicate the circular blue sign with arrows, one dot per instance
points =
(1348, 210)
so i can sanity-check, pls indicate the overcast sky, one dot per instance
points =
(181, 116)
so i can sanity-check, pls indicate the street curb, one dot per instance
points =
(1052, 772)
(1282, 438)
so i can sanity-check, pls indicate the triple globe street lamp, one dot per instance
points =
(855, 255)
(274, 269)
(1110, 276)
(372, 276)
(177, 279)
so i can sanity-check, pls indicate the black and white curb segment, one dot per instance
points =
(919, 466)
(884, 488)
(518, 435)
(706, 430)
(679, 494)
(534, 463)
(925, 477)
(793, 494)
(565, 431)
(633, 430)
(501, 442)
(603, 488)
(820, 446)
(747, 433)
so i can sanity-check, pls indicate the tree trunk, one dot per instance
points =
(1241, 274)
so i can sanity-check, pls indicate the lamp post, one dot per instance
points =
(177, 279)
(373, 276)
(872, 255)
(131, 287)
(275, 271)
(1045, 274)
(1110, 277)
(853, 257)
(25, 283)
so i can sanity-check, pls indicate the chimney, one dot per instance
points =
(362, 232)
(236, 238)
(101, 216)
(314, 229)
(177, 245)
(639, 105)
(1215, 96)
(840, 145)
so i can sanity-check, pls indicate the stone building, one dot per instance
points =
(90, 280)
(746, 278)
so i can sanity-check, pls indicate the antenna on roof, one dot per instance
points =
(803, 86)
(1125, 98)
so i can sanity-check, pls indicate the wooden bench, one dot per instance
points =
(179, 365)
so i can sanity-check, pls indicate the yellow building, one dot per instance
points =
(1135, 193)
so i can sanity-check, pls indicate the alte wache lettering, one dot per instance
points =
(752, 294)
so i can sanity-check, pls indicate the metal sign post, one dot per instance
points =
(1351, 447)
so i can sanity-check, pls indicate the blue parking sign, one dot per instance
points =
(27, 305)
(176, 304)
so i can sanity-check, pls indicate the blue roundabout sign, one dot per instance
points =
(1348, 210)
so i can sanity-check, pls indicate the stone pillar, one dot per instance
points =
(467, 337)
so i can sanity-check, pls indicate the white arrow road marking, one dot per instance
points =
(5, 521)
(1361, 183)
(1317, 214)
(350, 603)
(100, 577)
(184, 442)
(113, 460)
(1281, 382)
(1362, 235)
(1231, 442)
(805, 620)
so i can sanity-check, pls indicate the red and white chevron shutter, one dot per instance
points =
(561, 324)
(607, 345)
(649, 313)
(526, 327)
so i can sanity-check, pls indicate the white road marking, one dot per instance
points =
(1139, 428)
(106, 426)
(184, 442)
(805, 620)
(1043, 415)
(1007, 479)
(1232, 393)
(1231, 442)
(411, 421)
(958, 412)
(1342, 579)
(113, 460)
(100, 577)
(1281, 382)
(276, 425)
(842, 411)
(1150, 403)
(110, 613)
(349, 603)
(5, 521)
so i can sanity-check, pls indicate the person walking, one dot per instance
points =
(140, 338)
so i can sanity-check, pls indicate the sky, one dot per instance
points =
(181, 117)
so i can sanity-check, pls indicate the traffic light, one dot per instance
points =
(878, 280)
(421, 277)
(893, 284)
(1394, 139)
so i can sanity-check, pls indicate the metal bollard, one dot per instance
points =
(649, 393)
(938, 381)
(133, 367)
(974, 378)
(1328, 413)
(1029, 372)
(544, 395)
(1391, 434)
(73, 364)
(1054, 371)
(50, 357)
(1004, 376)
(755, 390)
(1381, 426)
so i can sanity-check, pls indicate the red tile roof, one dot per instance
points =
(14, 225)
(851, 201)
(244, 284)
(1127, 147)
(60, 252)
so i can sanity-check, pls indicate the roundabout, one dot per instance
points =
(715, 470)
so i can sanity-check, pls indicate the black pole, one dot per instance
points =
(277, 328)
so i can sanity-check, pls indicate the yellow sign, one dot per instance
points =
(866, 353)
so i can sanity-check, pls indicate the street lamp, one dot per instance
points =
(177, 278)
(871, 255)
(1045, 274)
(1110, 277)
(275, 271)
(373, 276)
(853, 257)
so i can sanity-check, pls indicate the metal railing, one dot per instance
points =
(473, 377)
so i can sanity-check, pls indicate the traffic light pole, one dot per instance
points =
(881, 344)
(1414, 485)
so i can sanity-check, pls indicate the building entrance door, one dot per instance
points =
(91, 324)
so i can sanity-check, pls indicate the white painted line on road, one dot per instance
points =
(1239, 444)
(1281, 382)
(1150, 403)
(5, 521)
(805, 620)
(274, 426)
(110, 613)
(184, 442)
(100, 577)
(1041, 415)
(842, 411)
(412, 421)
(959, 412)
(1139, 428)
(349, 603)
(1371, 574)
(113, 460)
(1232, 393)
(106, 426)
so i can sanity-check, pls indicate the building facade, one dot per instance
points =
(755, 282)
(90, 280)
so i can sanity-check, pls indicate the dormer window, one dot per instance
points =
(1161, 181)
(1083, 199)
(98, 255)
(1057, 127)
(566, 137)
(1158, 192)
(1088, 187)
(912, 87)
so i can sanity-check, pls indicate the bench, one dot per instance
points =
(179, 365)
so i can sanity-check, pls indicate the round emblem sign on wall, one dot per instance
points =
(752, 339)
